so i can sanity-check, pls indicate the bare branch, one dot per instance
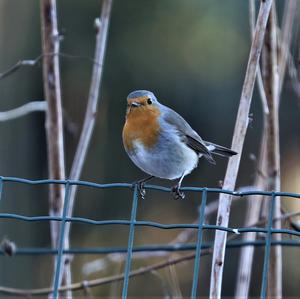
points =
(34, 62)
(237, 144)
(254, 204)
(288, 20)
(246, 258)
(18, 65)
(259, 80)
(293, 74)
(271, 82)
(54, 121)
(91, 112)
(100, 281)
(101, 25)
(23, 110)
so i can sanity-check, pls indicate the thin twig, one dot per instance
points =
(33, 106)
(173, 282)
(91, 112)
(101, 281)
(54, 119)
(293, 74)
(252, 216)
(18, 65)
(87, 291)
(33, 62)
(167, 291)
(259, 80)
(237, 144)
(288, 20)
(102, 26)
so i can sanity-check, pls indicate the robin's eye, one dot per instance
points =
(149, 101)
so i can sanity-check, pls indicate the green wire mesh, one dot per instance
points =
(133, 223)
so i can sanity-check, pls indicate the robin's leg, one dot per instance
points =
(176, 190)
(140, 185)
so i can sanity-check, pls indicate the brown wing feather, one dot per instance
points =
(199, 148)
(189, 136)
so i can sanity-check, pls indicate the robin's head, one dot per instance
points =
(141, 123)
(141, 100)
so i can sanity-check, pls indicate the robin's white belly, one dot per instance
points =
(170, 161)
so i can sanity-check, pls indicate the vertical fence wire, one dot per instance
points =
(60, 259)
(130, 242)
(199, 244)
(267, 248)
(1, 187)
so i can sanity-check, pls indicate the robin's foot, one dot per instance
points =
(177, 194)
(140, 188)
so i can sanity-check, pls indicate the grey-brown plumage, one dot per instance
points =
(177, 149)
(192, 139)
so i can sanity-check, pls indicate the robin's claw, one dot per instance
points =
(177, 194)
(140, 186)
(141, 189)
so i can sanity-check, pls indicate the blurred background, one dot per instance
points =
(192, 55)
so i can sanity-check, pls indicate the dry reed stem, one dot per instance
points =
(237, 145)
(259, 80)
(288, 22)
(253, 206)
(54, 119)
(271, 83)
(252, 216)
(244, 272)
(90, 116)
(253, 203)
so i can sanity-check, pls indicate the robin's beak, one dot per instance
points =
(135, 104)
(132, 105)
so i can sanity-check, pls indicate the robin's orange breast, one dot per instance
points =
(141, 125)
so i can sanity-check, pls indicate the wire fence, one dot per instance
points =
(198, 246)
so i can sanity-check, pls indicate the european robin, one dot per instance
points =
(161, 143)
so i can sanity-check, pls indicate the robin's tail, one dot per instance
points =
(220, 150)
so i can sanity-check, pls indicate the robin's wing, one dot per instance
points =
(188, 135)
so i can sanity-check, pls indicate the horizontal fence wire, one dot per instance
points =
(133, 223)
(147, 248)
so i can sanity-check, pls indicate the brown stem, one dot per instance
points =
(271, 83)
(54, 122)
(237, 144)
(252, 216)
(288, 21)
(91, 113)
(244, 273)
(259, 80)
